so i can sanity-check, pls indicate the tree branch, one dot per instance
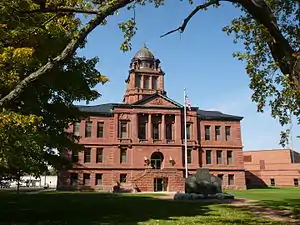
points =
(189, 17)
(280, 49)
(70, 48)
(65, 9)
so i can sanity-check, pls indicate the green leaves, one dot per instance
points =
(35, 123)
(129, 29)
(271, 88)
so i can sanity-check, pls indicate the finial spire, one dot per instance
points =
(145, 46)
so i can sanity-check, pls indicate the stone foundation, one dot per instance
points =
(139, 180)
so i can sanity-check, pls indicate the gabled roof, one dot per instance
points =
(156, 95)
(216, 115)
(107, 109)
(103, 109)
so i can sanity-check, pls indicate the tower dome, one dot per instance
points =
(144, 54)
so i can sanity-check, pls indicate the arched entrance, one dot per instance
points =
(156, 160)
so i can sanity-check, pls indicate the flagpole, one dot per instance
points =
(185, 137)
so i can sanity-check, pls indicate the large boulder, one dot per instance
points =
(203, 183)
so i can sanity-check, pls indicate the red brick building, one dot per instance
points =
(279, 167)
(139, 143)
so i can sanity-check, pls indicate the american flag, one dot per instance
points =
(187, 103)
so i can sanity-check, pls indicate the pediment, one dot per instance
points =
(124, 116)
(158, 101)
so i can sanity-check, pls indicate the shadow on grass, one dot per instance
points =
(263, 187)
(87, 208)
(293, 205)
(91, 208)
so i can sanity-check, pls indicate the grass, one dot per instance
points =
(86, 208)
(276, 198)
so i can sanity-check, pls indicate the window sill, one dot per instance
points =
(125, 140)
(143, 141)
(157, 141)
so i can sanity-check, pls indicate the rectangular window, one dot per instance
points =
(189, 156)
(123, 129)
(138, 81)
(86, 179)
(296, 182)
(217, 133)
(247, 158)
(99, 155)
(146, 82)
(73, 179)
(169, 128)
(75, 156)
(207, 133)
(154, 83)
(123, 155)
(100, 129)
(229, 157)
(272, 182)
(262, 164)
(188, 131)
(208, 157)
(230, 179)
(87, 155)
(98, 180)
(219, 157)
(227, 133)
(123, 177)
(76, 129)
(155, 131)
(88, 129)
(142, 130)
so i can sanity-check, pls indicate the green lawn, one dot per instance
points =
(96, 208)
(278, 198)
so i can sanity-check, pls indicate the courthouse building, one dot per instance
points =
(139, 144)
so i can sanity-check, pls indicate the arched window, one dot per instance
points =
(156, 160)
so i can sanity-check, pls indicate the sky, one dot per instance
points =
(200, 60)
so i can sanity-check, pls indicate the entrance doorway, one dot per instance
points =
(160, 184)
(156, 160)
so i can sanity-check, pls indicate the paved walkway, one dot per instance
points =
(39, 191)
(278, 215)
(258, 210)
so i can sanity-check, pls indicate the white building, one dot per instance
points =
(42, 181)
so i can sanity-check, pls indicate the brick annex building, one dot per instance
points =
(139, 143)
(277, 167)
